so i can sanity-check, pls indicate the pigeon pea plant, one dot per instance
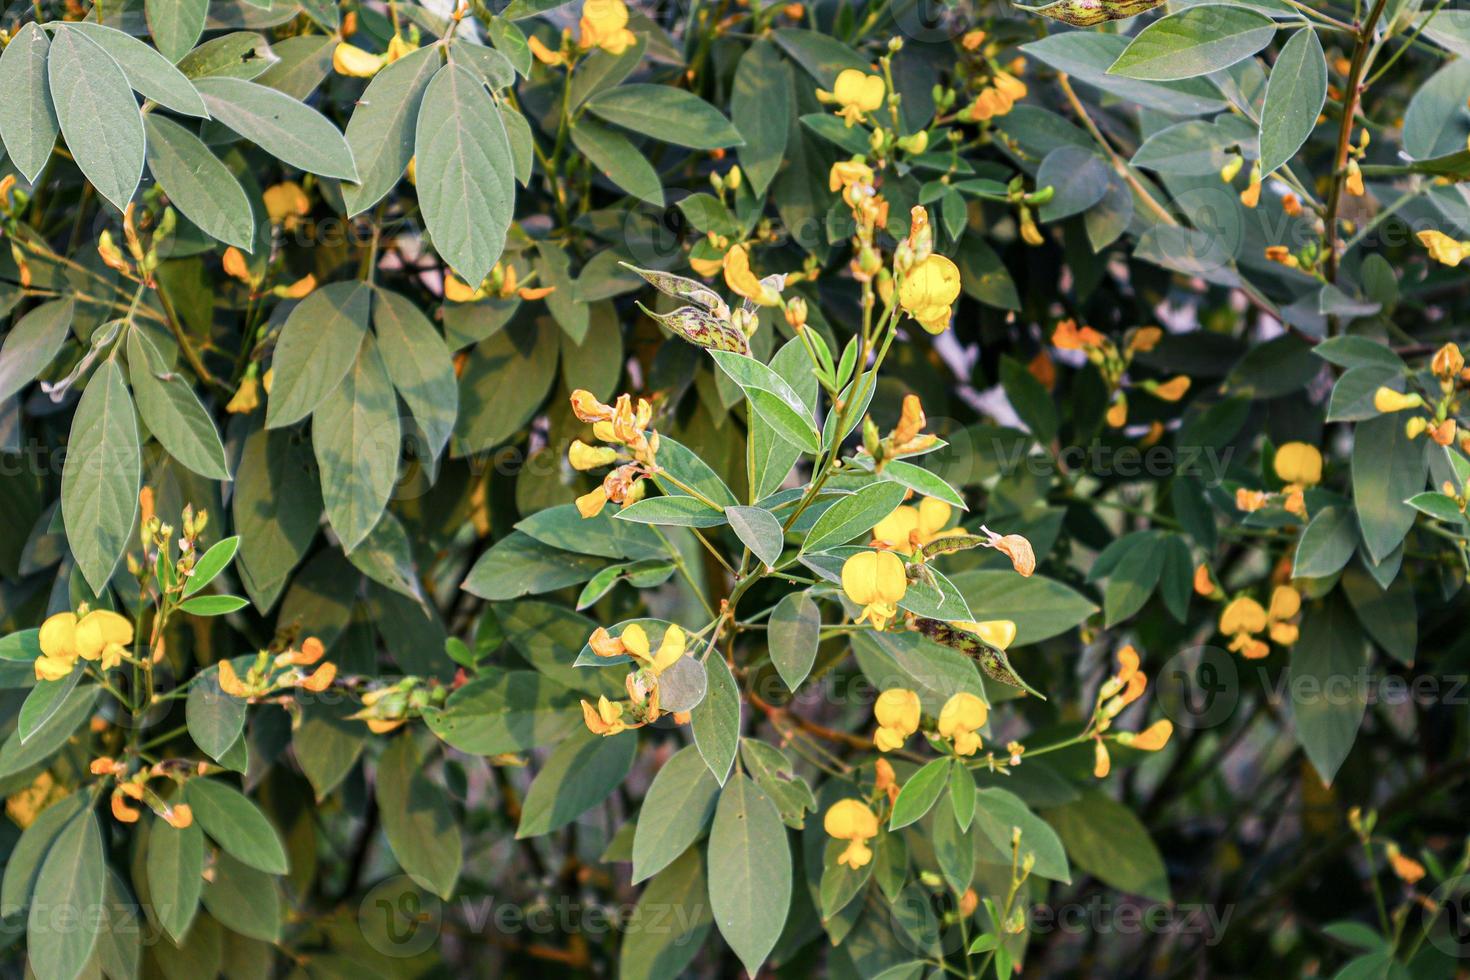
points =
(786, 487)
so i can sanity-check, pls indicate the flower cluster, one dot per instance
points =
(268, 673)
(929, 283)
(614, 717)
(99, 636)
(503, 282)
(133, 788)
(1448, 367)
(1299, 467)
(1113, 363)
(1116, 693)
(1244, 618)
(604, 24)
(909, 528)
(633, 446)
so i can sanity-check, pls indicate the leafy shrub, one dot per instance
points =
(834, 487)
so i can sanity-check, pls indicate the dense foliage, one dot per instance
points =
(852, 488)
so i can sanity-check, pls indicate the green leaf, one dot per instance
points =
(1296, 91)
(1327, 543)
(417, 818)
(666, 113)
(580, 774)
(669, 924)
(172, 411)
(1104, 839)
(1078, 178)
(197, 183)
(493, 67)
(215, 718)
(999, 812)
(43, 701)
(1350, 351)
(962, 794)
(327, 744)
(63, 926)
(761, 111)
(355, 434)
(175, 25)
(34, 341)
(175, 874)
(303, 63)
(840, 884)
(563, 527)
(1133, 580)
(759, 530)
(1328, 694)
(716, 719)
(237, 825)
(242, 54)
(749, 871)
(853, 514)
(1388, 469)
(211, 563)
(1389, 615)
(289, 130)
(419, 364)
(1087, 55)
(503, 385)
(772, 456)
(318, 345)
(923, 482)
(27, 115)
(381, 130)
(679, 804)
(1194, 41)
(466, 174)
(676, 511)
(277, 506)
(149, 73)
(618, 159)
(244, 900)
(1352, 395)
(1437, 505)
(98, 117)
(16, 756)
(774, 774)
(23, 864)
(919, 793)
(99, 483)
(792, 633)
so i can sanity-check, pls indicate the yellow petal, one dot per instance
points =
(58, 636)
(1299, 462)
(348, 59)
(898, 709)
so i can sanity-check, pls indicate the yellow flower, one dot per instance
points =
(856, 93)
(591, 504)
(1385, 399)
(604, 25)
(100, 635)
(744, 282)
(1152, 738)
(909, 528)
(1448, 362)
(1299, 463)
(1406, 869)
(1117, 415)
(960, 720)
(670, 649)
(1443, 248)
(300, 289)
(999, 633)
(348, 59)
(1249, 500)
(897, 711)
(847, 173)
(246, 398)
(1241, 620)
(852, 821)
(1102, 763)
(584, 457)
(875, 580)
(605, 719)
(286, 203)
(1286, 602)
(398, 47)
(236, 266)
(544, 54)
(1173, 389)
(928, 290)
